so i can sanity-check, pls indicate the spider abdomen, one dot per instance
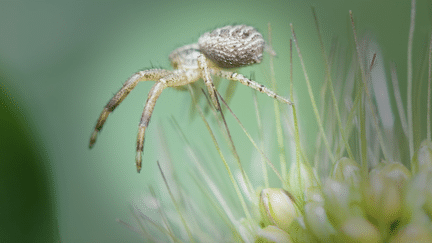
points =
(232, 46)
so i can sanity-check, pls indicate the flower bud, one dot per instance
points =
(347, 170)
(278, 207)
(418, 195)
(341, 203)
(413, 233)
(396, 172)
(272, 233)
(360, 230)
(301, 178)
(422, 159)
(314, 194)
(428, 195)
(383, 194)
(317, 221)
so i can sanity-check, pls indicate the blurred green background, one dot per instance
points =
(60, 62)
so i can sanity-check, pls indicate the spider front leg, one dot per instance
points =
(240, 78)
(129, 85)
(176, 78)
(153, 95)
(202, 64)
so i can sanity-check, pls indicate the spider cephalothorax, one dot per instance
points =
(226, 47)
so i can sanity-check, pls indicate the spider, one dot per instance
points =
(223, 48)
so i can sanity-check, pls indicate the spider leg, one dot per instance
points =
(240, 78)
(128, 86)
(153, 95)
(202, 64)
(174, 79)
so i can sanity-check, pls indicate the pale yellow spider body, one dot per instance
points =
(227, 47)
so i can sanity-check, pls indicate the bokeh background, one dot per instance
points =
(60, 62)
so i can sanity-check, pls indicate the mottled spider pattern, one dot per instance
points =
(223, 48)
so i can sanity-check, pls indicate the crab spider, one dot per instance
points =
(223, 48)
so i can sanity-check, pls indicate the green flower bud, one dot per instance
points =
(341, 203)
(317, 221)
(272, 233)
(418, 196)
(278, 208)
(301, 179)
(314, 194)
(361, 230)
(396, 172)
(422, 159)
(347, 170)
(428, 195)
(383, 194)
(413, 233)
